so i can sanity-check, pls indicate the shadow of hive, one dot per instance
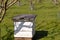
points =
(40, 34)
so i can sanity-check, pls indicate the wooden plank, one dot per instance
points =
(20, 38)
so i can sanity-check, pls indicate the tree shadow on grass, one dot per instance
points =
(40, 34)
(9, 33)
(8, 36)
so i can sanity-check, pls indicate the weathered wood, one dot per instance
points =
(19, 38)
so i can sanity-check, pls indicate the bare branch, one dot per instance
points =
(5, 5)
(11, 3)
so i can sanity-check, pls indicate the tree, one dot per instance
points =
(39, 1)
(55, 2)
(4, 5)
(18, 3)
(31, 4)
(0, 33)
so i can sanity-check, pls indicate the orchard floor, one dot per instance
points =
(47, 20)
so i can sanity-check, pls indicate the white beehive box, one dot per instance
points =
(23, 29)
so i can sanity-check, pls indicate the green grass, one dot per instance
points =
(46, 19)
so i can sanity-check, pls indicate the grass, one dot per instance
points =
(47, 18)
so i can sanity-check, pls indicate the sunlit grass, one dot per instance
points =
(46, 18)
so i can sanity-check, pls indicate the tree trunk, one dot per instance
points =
(0, 33)
(31, 5)
(55, 2)
(18, 3)
(39, 1)
(2, 10)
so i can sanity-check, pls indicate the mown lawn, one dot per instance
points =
(48, 19)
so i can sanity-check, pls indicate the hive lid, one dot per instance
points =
(24, 17)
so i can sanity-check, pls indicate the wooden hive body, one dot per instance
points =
(23, 30)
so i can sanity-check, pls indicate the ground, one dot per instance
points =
(48, 19)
